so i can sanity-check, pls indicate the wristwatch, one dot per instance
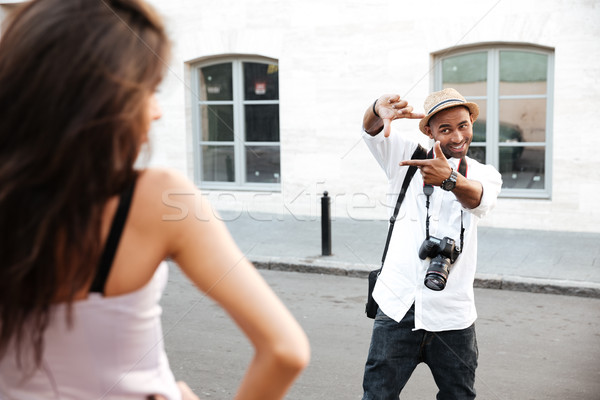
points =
(450, 183)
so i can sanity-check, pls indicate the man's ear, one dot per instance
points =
(428, 131)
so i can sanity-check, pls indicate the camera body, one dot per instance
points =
(443, 254)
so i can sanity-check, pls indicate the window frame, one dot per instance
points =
(239, 143)
(493, 98)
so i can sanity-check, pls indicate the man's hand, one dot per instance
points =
(468, 192)
(389, 107)
(434, 171)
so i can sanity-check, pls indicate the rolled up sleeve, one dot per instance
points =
(491, 181)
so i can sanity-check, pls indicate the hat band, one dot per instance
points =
(444, 102)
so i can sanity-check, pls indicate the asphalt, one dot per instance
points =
(555, 262)
(532, 346)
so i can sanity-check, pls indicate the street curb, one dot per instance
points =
(485, 281)
(538, 285)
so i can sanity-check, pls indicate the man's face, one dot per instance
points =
(453, 128)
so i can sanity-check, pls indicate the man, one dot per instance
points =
(415, 323)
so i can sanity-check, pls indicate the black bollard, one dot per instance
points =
(325, 225)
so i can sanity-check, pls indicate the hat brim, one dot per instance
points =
(473, 109)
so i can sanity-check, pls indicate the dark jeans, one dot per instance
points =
(396, 350)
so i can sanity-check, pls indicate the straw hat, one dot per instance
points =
(438, 101)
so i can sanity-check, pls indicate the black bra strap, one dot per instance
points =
(112, 242)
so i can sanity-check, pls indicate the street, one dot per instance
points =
(532, 346)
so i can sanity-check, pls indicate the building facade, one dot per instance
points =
(263, 100)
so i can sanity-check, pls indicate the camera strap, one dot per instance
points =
(419, 154)
(428, 191)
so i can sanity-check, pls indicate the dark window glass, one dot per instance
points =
(238, 122)
(261, 81)
(262, 123)
(262, 164)
(480, 126)
(216, 123)
(515, 136)
(477, 153)
(522, 167)
(216, 82)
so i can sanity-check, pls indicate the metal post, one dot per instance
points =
(325, 225)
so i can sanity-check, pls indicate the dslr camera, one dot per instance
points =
(443, 253)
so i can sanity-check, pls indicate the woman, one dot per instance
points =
(83, 235)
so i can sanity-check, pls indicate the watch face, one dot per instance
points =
(448, 185)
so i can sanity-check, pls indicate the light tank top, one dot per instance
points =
(113, 350)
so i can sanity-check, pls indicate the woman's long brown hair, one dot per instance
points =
(75, 76)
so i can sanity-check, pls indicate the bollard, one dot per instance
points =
(325, 225)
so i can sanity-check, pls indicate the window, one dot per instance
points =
(513, 87)
(236, 124)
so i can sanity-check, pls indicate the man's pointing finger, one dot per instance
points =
(416, 163)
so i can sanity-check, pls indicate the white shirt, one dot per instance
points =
(401, 281)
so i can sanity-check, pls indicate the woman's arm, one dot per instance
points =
(203, 248)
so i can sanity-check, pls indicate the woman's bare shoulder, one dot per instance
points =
(158, 179)
(170, 210)
(162, 195)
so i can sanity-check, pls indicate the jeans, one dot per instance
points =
(396, 350)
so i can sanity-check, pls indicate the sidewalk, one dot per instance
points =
(527, 260)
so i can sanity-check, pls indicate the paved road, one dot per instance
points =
(532, 346)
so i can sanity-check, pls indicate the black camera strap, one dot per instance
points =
(419, 154)
(428, 191)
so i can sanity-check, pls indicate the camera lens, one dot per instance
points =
(437, 273)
